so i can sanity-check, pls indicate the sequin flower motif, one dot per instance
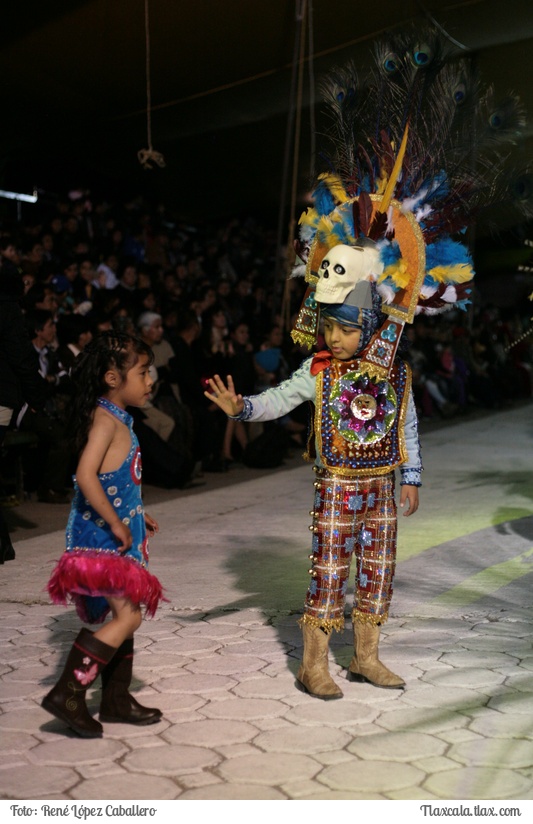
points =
(362, 409)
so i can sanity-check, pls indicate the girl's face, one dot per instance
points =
(342, 341)
(135, 388)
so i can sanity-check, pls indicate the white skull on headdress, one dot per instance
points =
(345, 274)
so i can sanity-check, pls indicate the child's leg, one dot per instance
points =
(66, 700)
(117, 704)
(334, 527)
(376, 561)
(126, 619)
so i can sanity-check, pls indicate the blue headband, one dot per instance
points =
(350, 316)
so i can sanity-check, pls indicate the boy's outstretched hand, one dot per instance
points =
(409, 495)
(224, 396)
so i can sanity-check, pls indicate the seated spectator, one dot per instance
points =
(47, 472)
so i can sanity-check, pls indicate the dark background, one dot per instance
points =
(73, 91)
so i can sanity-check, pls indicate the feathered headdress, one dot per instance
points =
(418, 151)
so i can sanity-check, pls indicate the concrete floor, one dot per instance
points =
(220, 657)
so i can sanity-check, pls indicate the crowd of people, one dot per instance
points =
(207, 300)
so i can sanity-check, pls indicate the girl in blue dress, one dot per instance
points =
(105, 566)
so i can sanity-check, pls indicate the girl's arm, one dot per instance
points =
(100, 438)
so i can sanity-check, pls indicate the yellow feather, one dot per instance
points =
(308, 218)
(398, 273)
(334, 184)
(458, 273)
(389, 191)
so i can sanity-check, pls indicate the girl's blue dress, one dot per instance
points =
(92, 568)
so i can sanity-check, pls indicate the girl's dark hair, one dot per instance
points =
(108, 350)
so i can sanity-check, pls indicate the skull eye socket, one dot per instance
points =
(340, 270)
(324, 264)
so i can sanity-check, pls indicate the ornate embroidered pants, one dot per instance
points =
(351, 516)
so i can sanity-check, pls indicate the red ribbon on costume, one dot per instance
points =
(320, 361)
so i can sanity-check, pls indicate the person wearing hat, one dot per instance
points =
(364, 427)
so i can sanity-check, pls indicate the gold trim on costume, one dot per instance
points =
(371, 449)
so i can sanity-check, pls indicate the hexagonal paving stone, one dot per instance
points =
(24, 720)
(170, 760)
(33, 673)
(434, 640)
(493, 724)
(512, 755)
(397, 746)
(264, 687)
(15, 654)
(201, 683)
(331, 713)
(153, 662)
(16, 690)
(189, 645)
(233, 792)
(269, 650)
(15, 742)
(497, 643)
(520, 681)
(512, 629)
(172, 703)
(370, 776)
(513, 702)
(268, 768)
(245, 709)
(478, 783)
(471, 658)
(422, 719)
(211, 629)
(447, 698)
(471, 677)
(300, 739)
(127, 786)
(227, 664)
(210, 733)
(35, 782)
(77, 751)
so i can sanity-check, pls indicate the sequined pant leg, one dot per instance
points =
(375, 552)
(334, 534)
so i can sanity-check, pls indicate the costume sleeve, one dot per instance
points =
(278, 401)
(411, 470)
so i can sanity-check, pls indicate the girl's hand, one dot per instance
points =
(224, 396)
(151, 526)
(409, 494)
(122, 534)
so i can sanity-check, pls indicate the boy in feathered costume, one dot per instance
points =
(376, 249)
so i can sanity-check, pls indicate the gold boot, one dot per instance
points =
(365, 664)
(313, 675)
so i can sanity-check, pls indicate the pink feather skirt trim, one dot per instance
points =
(85, 577)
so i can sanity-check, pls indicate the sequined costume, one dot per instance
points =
(92, 569)
(363, 430)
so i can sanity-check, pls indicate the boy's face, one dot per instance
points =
(342, 341)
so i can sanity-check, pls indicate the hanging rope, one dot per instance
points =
(147, 157)
(295, 116)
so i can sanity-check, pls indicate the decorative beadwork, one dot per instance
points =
(367, 451)
(87, 532)
(353, 517)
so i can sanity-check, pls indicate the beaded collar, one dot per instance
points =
(123, 416)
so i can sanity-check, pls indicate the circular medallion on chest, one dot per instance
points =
(363, 410)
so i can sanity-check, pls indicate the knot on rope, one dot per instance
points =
(149, 157)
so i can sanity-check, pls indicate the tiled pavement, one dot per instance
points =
(221, 655)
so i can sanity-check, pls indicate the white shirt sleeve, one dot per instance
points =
(280, 400)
